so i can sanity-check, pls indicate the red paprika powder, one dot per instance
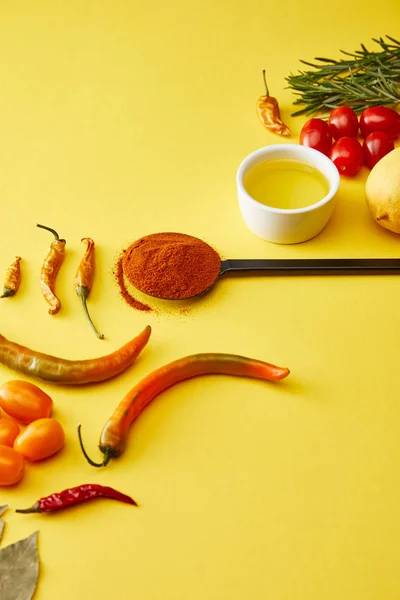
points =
(171, 265)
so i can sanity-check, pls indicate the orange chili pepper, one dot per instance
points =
(50, 268)
(74, 372)
(84, 280)
(114, 435)
(268, 111)
(13, 278)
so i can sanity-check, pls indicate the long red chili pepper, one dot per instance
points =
(83, 280)
(13, 278)
(50, 267)
(114, 435)
(75, 372)
(76, 495)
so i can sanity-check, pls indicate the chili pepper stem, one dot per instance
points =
(265, 83)
(107, 455)
(53, 231)
(7, 292)
(35, 508)
(83, 293)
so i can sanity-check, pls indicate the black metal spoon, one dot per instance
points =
(312, 266)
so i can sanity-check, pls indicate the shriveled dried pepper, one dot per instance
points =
(50, 267)
(83, 280)
(13, 278)
(268, 111)
(76, 495)
(71, 372)
(114, 435)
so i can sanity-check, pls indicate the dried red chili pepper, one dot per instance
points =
(74, 372)
(76, 495)
(83, 280)
(13, 278)
(50, 267)
(268, 111)
(114, 435)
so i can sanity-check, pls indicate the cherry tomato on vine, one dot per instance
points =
(316, 134)
(347, 154)
(24, 401)
(343, 122)
(376, 145)
(9, 430)
(12, 466)
(380, 118)
(41, 439)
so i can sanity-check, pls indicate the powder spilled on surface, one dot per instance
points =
(129, 299)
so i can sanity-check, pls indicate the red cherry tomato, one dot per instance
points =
(347, 155)
(376, 145)
(343, 122)
(316, 134)
(380, 118)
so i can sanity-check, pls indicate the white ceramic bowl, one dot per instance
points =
(287, 226)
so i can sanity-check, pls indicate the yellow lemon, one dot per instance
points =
(382, 190)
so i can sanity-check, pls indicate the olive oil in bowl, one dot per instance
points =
(286, 184)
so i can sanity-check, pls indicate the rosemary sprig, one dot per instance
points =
(362, 80)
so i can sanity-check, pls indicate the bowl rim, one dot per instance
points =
(333, 178)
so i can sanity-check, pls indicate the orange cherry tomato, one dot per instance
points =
(9, 430)
(24, 401)
(42, 438)
(12, 466)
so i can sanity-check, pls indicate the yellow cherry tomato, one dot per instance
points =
(42, 438)
(24, 401)
(12, 466)
(9, 430)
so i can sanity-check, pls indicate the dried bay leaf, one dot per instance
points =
(2, 510)
(19, 569)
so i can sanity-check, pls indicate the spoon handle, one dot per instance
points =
(321, 265)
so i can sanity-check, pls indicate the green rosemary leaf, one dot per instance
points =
(393, 40)
(386, 92)
(327, 60)
(348, 53)
(309, 64)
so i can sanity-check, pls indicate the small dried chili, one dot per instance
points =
(114, 435)
(73, 372)
(50, 267)
(83, 280)
(268, 111)
(13, 278)
(76, 495)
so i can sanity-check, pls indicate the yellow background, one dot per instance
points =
(119, 119)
